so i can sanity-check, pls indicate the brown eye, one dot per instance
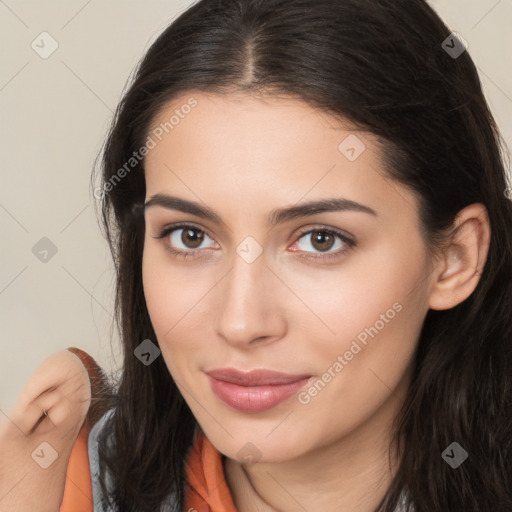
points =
(322, 240)
(191, 238)
(184, 240)
(329, 241)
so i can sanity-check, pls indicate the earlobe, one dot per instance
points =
(460, 267)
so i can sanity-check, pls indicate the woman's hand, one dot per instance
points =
(38, 434)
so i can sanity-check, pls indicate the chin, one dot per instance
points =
(256, 445)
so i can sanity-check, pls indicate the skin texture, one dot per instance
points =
(60, 386)
(243, 157)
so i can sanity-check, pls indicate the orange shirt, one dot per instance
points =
(78, 489)
(205, 474)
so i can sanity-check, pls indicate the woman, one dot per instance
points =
(307, 209)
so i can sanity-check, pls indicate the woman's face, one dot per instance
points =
(338, 310)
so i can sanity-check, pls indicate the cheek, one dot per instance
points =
(376, 312)
(173, 297)
(379, 293)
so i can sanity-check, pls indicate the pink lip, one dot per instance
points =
(254, 391)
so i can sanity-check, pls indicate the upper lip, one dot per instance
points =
(258, 377)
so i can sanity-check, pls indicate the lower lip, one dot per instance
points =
(254, 398)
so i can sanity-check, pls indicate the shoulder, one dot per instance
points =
(82, 489)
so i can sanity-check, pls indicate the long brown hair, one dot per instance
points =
(381, 64)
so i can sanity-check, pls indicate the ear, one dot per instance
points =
(461, 264)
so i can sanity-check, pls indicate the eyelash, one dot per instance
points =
(193, 252)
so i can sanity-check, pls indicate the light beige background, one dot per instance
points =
(55, 112)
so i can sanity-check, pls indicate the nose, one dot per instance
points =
(250, 304)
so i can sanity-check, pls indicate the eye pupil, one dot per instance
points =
(320, 238)
(193, 234)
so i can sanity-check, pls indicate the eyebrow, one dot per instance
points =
(276, 216)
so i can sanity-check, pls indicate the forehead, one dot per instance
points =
(249, 120)
(258, 152)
